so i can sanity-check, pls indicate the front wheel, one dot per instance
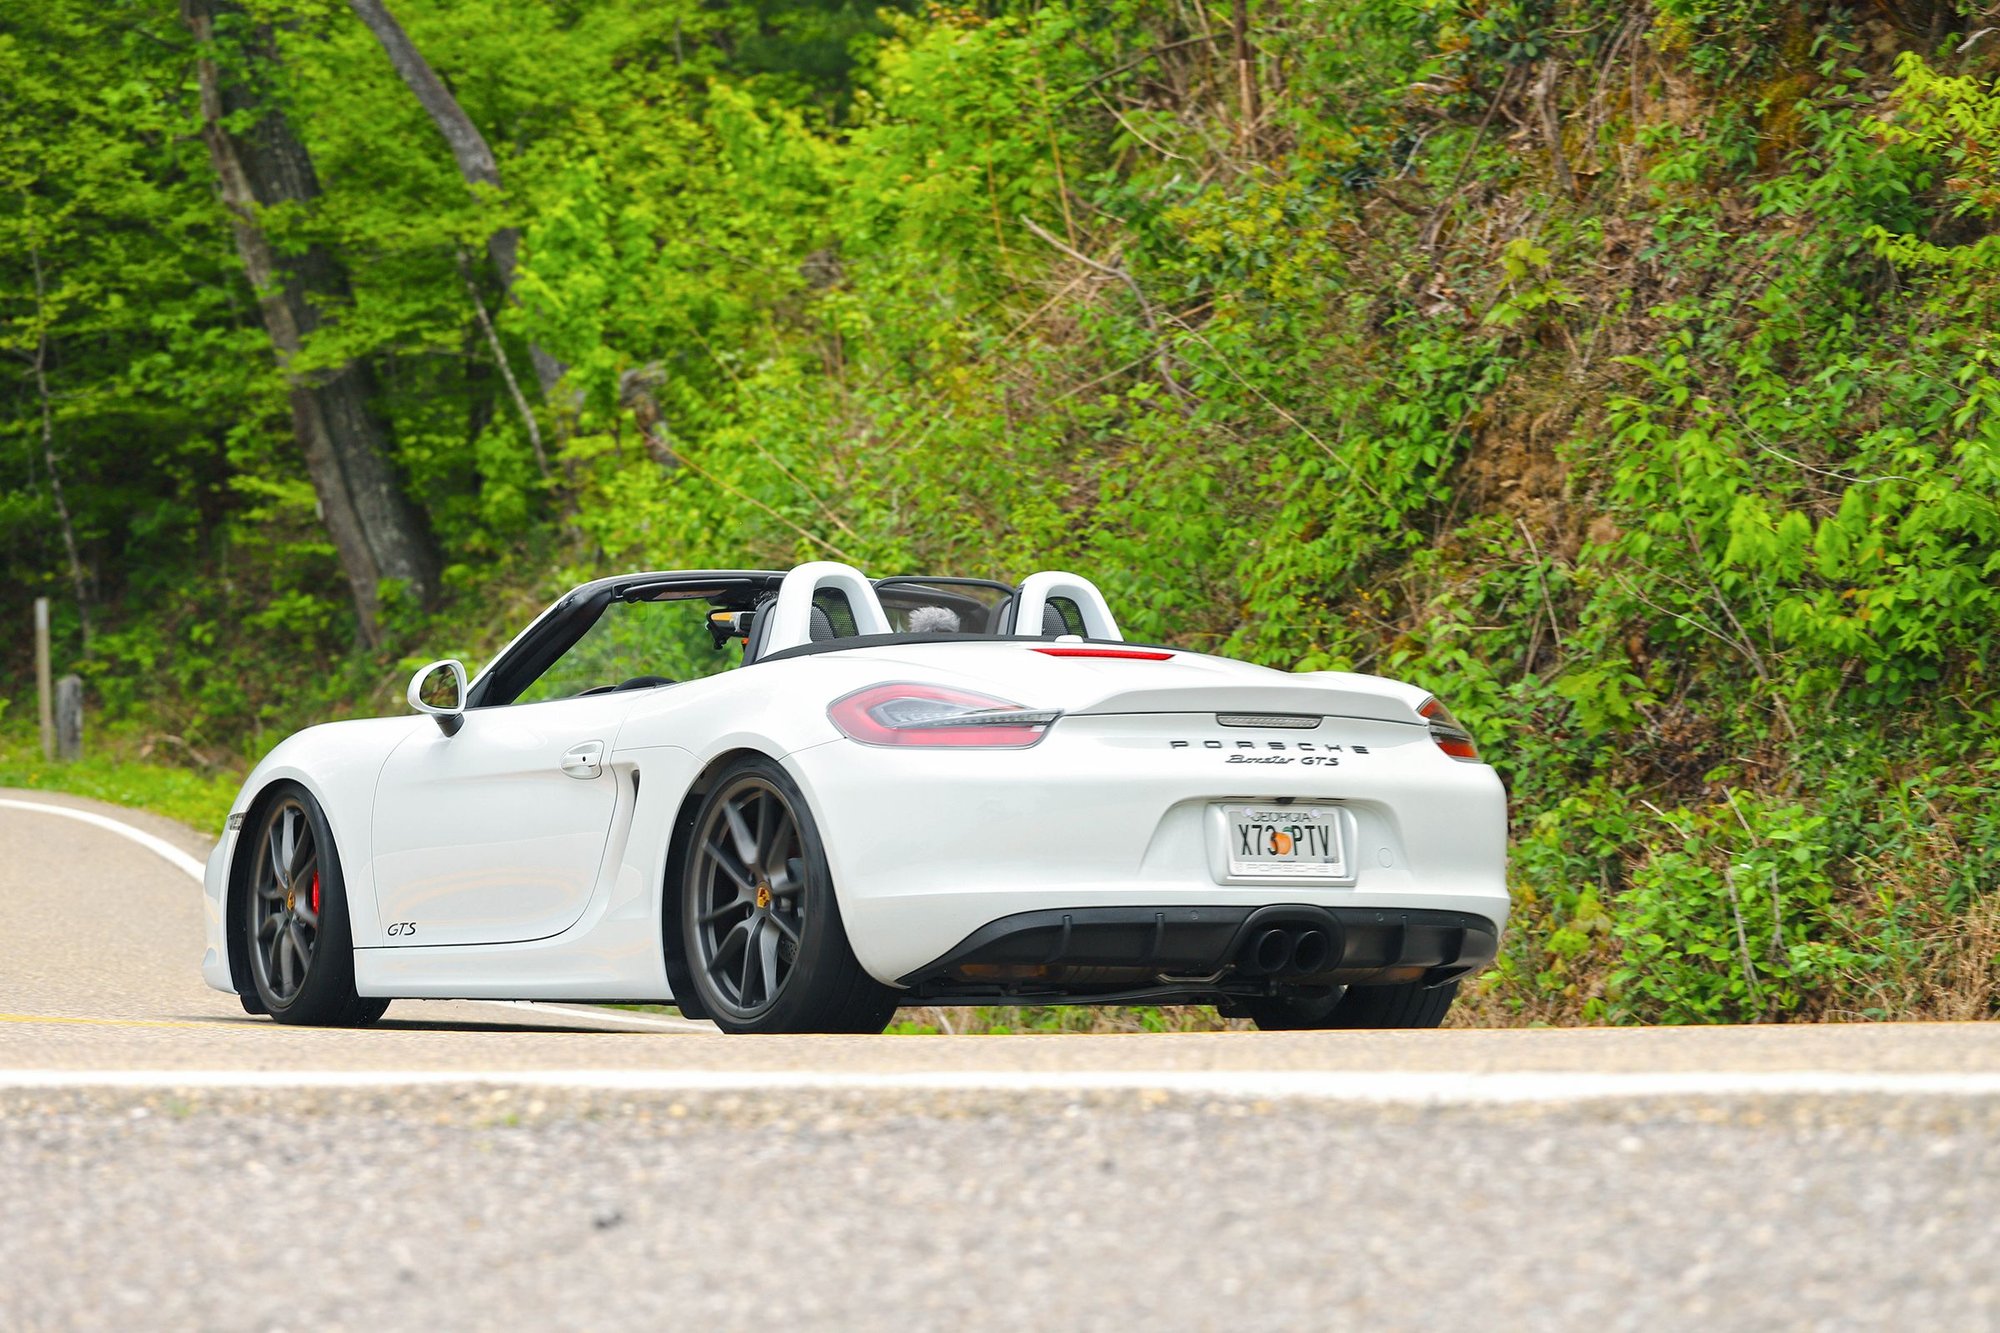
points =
(763, 933)
(300, 945)
(1409, 1004)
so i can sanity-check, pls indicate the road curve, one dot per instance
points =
(466, 1164)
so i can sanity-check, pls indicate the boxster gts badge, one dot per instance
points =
(1306, 754)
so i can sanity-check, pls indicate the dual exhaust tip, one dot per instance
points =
(1286, 952)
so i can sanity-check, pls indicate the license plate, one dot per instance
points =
(1284, 842)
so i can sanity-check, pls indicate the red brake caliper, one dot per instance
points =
(315, 893)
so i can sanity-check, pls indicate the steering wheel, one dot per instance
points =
(636, 683)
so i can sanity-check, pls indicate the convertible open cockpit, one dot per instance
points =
(791, 801)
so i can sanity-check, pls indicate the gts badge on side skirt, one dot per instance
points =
(1307, 754)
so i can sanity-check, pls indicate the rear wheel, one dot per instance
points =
(1409, 1004)
(296, 930)
(763, 933)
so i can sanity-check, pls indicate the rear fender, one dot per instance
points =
(680, 837)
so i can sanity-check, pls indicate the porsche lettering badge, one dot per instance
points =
(1308, 754)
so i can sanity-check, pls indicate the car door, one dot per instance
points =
(496, 834)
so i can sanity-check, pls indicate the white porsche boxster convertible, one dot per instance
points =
(907, 791)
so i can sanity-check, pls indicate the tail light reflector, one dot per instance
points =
(1450, 735)
(934, 715)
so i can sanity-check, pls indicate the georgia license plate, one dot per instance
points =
(1284, 841)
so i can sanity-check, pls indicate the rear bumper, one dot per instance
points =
(1199, 949)
(927, 847)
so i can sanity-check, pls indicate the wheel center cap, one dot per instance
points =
(291, 900)
(763, 895)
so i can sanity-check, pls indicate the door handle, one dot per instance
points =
(584, 761)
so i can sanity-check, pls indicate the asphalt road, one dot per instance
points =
(167, 1161)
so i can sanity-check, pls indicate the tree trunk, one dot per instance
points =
(377, 532)
(1246, 69)
(1545, 107)
(528, 421)
(468, 148)
(78, 582)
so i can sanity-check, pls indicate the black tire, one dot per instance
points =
(1407, 1005)
(760, 926)
(297, 937)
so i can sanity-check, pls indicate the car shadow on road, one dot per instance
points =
(420, 1025)
(416, 1025)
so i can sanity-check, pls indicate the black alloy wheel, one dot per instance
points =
(297, 936)
(763, 933)
(751, 894)
(286, 903)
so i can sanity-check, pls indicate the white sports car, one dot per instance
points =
(911, 791)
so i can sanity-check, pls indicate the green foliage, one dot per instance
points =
(1512, 32)
(1718, 923)
(1719, 37)
(1956, 118)
(114, 769)
(1528, 285)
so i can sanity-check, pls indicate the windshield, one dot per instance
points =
(682, 633)
(633, 640)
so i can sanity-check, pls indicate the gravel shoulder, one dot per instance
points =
(474, 1209)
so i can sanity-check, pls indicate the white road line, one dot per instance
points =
(173, 855)
(596, 1015)
(1375, 1087)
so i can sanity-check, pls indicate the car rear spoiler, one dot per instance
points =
(1297, 697)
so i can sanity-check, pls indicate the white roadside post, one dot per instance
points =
(42, 678)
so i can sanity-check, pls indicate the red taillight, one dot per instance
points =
(1129, 654)
(932, 715)
(1450, 735)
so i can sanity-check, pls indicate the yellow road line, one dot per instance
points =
(1359, 1086)
(103, 1022)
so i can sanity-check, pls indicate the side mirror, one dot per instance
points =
(439, 689)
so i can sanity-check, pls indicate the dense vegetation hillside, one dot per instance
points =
(1623, 372)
